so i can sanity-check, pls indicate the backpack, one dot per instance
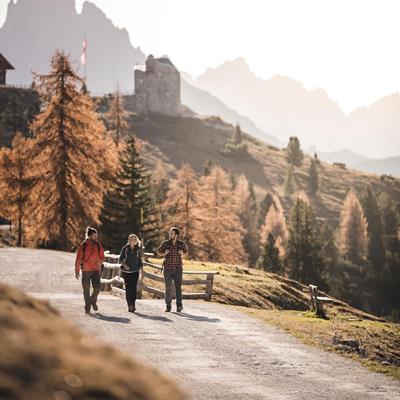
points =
(84, 245)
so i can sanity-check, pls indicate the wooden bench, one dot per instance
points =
(317, 302)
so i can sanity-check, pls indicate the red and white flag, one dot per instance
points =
(83, 52)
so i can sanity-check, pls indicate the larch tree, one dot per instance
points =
(71, 154)
(304, 256)
(128, 205)
(353, 230)
(181, 206)
(116, 118)
(275, 223)
(221, 233)
(16, 181)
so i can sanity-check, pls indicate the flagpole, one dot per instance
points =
(84, 65)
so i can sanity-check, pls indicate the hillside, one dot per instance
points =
(285, 303)
(43, 357)
(285, 107)
(194, 140)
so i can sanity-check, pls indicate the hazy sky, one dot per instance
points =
(350, 48)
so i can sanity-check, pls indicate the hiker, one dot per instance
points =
(89, 258)
(130, 259)
(172, 250)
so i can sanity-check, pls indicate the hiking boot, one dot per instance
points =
(179, 308)
(87, 310)
(132, 309)
(95, 308)
(168, 308)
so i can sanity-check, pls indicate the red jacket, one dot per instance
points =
(90, 255)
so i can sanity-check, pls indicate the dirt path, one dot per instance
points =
(214, 351)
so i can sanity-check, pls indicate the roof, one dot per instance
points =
(4, 64)
(165, 60)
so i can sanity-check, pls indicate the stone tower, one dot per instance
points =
(158, 87)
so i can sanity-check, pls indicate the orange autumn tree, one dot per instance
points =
(220, 228)
(72, 154)
(180, 206)
(275, 224)
(116, 118)
(353, 230)
(16, 181)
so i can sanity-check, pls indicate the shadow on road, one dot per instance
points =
(153, 317)
(109, 318)
(200, 318)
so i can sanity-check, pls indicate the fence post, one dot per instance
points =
(209, 285)
(140, 284)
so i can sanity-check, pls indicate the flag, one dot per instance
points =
(83, 52)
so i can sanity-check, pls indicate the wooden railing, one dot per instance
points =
(111, 279)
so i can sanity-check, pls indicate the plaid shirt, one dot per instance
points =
(173, 259)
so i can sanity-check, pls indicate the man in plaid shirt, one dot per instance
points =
(172, 250)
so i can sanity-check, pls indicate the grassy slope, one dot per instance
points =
(194, 140)
(284, 303)
(43, 357)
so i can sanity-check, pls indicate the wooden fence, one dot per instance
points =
(111, 279)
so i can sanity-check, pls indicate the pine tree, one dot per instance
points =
(289, 182)
(245, 202)
(71, 154)
(221, 234)
(269, 259)
(294, 154)
(180, 206)
(391, 228)
(353, 236)
(264, 207)
(376, 249)
(391, 237)
(275, 223)
(116, 118)
(16, 181)
(313, 179)
(208, 166)
(235, 145)
(237, 137)
(128, 206)
(304, 258)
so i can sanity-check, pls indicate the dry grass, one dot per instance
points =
(379, 342)
(42, 357)
(284, 303)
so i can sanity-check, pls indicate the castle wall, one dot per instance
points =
(158, 89)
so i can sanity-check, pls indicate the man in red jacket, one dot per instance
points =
(89, 258)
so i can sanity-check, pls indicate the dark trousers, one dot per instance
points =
(131, 281)
(88, 276)
(175, 276)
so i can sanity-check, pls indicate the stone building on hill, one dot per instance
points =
(157, 87)
(4, 66)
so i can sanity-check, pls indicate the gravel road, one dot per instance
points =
(215, 352)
